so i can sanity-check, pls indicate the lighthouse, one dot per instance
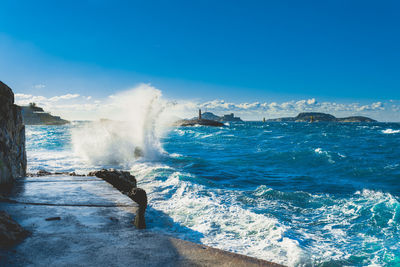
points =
(199, 114)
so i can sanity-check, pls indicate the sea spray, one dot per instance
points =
(131, 125)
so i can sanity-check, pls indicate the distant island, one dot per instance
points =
(207, 119)
(321, 117)
(34, 115)
(224, 118)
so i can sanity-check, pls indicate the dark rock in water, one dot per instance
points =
(43, 173)
(53, 219)
(194, 122)
(321, 117)
(121, 180)
(207, 119)
(12, 138)
(138, 152)
(139, 196)
(34, 115)
(75, 174)
(11, 233)
(46, 173)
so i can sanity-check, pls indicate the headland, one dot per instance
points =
(35, 115)
(321, 117)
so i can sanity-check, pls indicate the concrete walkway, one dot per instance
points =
(94, 228)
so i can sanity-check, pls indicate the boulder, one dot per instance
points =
(11, 232)
(12, 138)
(121, 180)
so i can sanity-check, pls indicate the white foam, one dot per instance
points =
(138, 118)
(223, 222)
(325, 153)
(226, 226)
(390, 131)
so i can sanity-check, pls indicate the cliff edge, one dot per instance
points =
(12, 137)
(34, 115)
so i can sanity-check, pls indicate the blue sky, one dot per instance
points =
(236, 51)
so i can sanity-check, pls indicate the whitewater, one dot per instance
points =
(298, 194)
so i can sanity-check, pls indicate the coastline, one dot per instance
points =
(95, 228)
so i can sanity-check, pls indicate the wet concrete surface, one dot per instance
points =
(94, 229)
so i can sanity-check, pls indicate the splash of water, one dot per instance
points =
(131, 126)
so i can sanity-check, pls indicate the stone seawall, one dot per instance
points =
(12, 137)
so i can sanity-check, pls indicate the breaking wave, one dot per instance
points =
(390, 131)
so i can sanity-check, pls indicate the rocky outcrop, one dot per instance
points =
(322, 117)
(202, 122)
(207, 119)
(355, 119)
(126, 183)
(46, 173)
(12, 137)
(11, 232)
(121, 180)
(225, 118)
(34, 115)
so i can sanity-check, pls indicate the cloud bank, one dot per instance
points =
(79, 107)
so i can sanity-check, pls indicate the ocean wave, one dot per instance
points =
(291, 228)
(390, 131)
(227, 226)
(277, 199)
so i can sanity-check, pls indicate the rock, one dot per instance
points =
(126, 183)
(43, 173)
(46, 173)
(53, 219)
(34, 115)
(139, 196)
(207, 119)
(75, 174)
(203, 122)
(138, 152)
(11, 232)
(224, 118)
(12, 138)
(121, 180)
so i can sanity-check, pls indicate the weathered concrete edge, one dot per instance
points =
(226, 258)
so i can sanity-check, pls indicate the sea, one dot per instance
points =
(298, 194)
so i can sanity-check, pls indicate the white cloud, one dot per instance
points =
(23, 96)
(63, 97)
(74, 106)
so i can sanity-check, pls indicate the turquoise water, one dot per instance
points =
(322, 194)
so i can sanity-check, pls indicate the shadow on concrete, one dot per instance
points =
(160, 221)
